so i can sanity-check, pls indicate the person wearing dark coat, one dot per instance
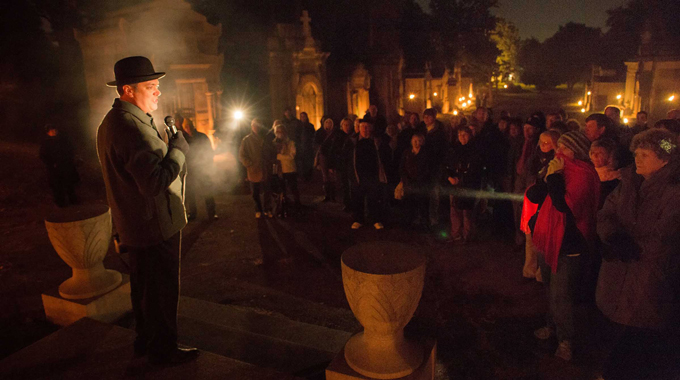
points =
(144, 179)
(199, 171)
(56, 152)
(368, 177)
(306, 148)
(329, 141)
(343, 162)
(463, 172)
(638, 287)
(414, 171)
(379, 121)
(436, 146)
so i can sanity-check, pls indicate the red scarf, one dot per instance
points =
(582, 196)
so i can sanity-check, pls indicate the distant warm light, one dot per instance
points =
(583, 110)
(618, 96)
(412, 96)
(510, 76)
(505, 86)
(470, 95)
(588, 92)
(238, 114)
(580, 102)
(625, 120)
(435, 94)
(671, 98)
(469, 102)
(297, 108)
(455, 112)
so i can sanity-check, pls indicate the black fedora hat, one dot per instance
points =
(132, 70)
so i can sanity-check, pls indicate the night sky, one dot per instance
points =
(541, 18)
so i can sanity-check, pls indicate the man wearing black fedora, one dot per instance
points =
(144, 177)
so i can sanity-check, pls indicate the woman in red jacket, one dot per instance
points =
(564, 232)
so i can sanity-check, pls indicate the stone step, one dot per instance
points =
(89, 349)
(258, 338)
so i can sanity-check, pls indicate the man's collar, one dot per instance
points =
(133, 109)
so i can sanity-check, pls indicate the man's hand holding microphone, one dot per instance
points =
(177, 140)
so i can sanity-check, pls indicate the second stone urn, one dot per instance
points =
(81, 236)
(383, 283)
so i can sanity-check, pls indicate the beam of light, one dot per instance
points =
(238, 114)
(480, 194)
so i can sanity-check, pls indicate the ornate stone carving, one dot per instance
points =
(81, 236)
(383, 283)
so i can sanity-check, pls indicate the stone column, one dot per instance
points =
(211, 109)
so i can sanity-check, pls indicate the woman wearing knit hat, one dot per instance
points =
(564, 232)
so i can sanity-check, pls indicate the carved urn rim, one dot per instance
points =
(383, 258)
(77, 214)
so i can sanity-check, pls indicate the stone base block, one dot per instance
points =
(339, 370)
(105, 308)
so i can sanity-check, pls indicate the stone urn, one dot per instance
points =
(81, 236)
(383, 283)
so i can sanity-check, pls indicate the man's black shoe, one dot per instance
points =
(175, 357)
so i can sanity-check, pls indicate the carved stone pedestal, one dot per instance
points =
(105, 308)
(383, 283)
(339, 370)
(81, 235)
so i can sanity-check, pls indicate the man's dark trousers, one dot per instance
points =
(369, 191)
(154, 282)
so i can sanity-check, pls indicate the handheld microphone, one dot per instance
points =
(170, 124)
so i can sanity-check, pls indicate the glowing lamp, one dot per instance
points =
(583, 110)
(671, 98)
(455, 112)
(588, 92)
(625, 120)
(412, 96)
(505, 86)
(435, 94)
(238, 114)
(618, 96)
(580, 102)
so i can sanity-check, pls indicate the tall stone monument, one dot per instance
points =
(297, 71)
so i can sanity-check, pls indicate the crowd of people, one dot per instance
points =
(591, 205)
